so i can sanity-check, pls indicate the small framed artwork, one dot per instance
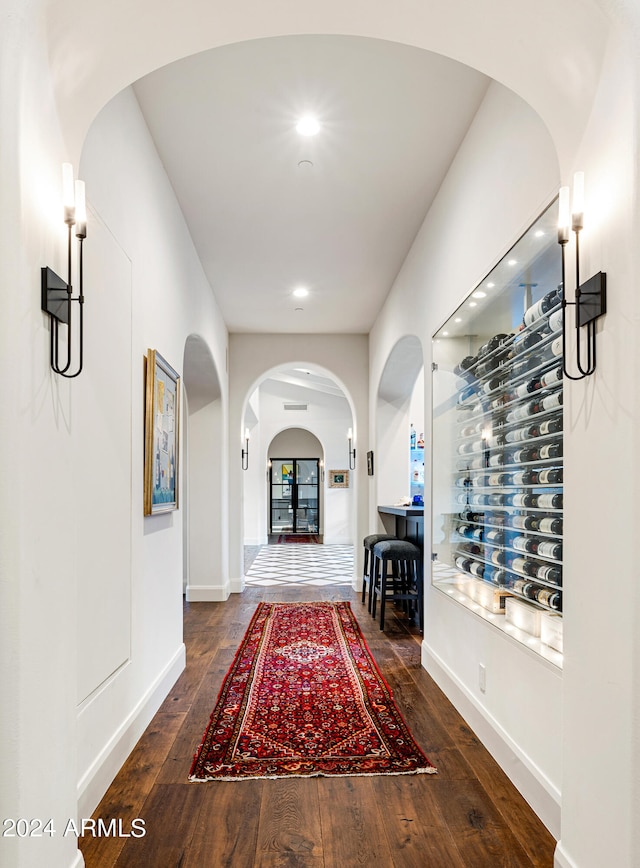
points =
(369, 463)
(338, 479)
(161, 435)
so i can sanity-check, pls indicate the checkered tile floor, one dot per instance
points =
(301, 564)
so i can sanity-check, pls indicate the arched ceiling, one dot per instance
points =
(549, 53)
(269, 209)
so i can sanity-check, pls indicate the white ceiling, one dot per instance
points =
(224, 121)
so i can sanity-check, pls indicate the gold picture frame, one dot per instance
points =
(161, 435)
(338, 479)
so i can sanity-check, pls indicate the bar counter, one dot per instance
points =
(406, 522)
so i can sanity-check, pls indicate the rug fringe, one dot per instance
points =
(431, 770)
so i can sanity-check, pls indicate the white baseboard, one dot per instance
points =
(236, 586)
(527, 777)
(78, 861)
(561, 859)
(96, 780)
(208, 593)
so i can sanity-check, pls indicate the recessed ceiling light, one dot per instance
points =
(473, 304)
(445, 334)
(540, 233)
(513, 262)
(458, 319)
(490, 285)
(308, 126)
(301, 292)
(479, 294)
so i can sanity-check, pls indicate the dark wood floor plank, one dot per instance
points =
(226, 833)
(289, 822)
(352, 823)
(171, 813)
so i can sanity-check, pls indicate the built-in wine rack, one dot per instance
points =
(508, 478)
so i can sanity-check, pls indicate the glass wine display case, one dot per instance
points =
(498, 445)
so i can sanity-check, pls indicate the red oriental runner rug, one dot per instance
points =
(304, 698)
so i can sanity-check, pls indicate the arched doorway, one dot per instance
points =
(295, 505)
(205, 560)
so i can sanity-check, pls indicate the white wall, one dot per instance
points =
(136, 579)
(496, 186)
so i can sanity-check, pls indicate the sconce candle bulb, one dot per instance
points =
(68, 199)
(577, 210)
(80, 210)
(564, 215)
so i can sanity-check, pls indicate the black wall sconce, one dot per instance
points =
(591, 296)
(352, 450)
(245, 450)
(56, 293)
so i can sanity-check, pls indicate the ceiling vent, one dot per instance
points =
(296, 406)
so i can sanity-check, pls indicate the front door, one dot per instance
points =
(294, 495)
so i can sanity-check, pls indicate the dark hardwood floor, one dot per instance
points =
(467, 816)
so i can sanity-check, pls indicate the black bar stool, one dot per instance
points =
(369, 542)
(407, 580)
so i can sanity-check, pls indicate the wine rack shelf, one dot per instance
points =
(498, 450)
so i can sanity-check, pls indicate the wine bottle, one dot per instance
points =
(524, 522)
(496, 460)
(555, 320)
(518, 585)
(499, 479)
(550, 549)
(477, 534)
(525, 544)
(549, 378)
(495, 575)
(491, 385)
(477, 569)
(498, 557)
(551, 401)
(530, 591)
(525, 389)
(525, 477)
(464, 530)
(556, 347)
(463, 564)
(550, 426)
(550, 501)
(551, 450)
(525, 455)
(550, 476)
(528, 341)
(551, 525)
(529, 500)
(495, 537)
(549, 573)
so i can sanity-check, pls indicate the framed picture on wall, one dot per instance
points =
(161, 435)
(338, 479)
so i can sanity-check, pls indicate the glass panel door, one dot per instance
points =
(295, 495)
(307, 496)
(282, 495)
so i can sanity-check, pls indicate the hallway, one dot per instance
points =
(467, 816)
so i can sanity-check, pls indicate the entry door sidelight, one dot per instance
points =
(294, 495)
